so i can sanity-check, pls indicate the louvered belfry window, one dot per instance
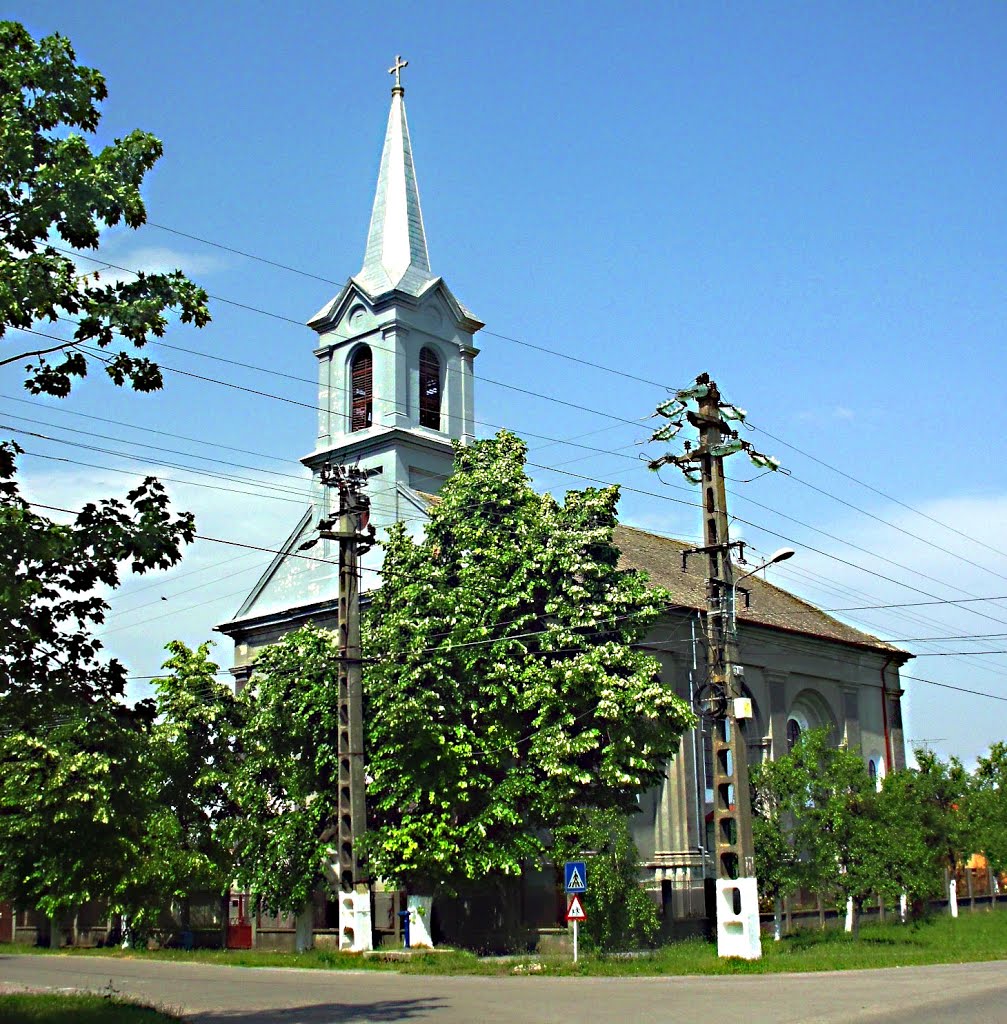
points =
(362, 374)
(430, 389)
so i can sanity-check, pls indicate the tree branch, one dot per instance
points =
(38, 352)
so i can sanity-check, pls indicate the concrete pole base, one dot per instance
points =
(356, 934)
(738, 932)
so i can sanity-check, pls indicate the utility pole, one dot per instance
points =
(738, 932)
(349, 526)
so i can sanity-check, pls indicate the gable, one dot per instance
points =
(294, 577)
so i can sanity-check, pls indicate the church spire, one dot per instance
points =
(396, 255)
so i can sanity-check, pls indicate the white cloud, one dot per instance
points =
(205, 588)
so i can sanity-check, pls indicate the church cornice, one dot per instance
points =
(332, 312)
(376, 440)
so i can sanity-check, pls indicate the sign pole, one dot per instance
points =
(576, 925)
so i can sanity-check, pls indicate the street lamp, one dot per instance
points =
(777, 556)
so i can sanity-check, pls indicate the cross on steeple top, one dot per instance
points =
(396, 70)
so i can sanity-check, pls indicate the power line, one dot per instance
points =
(878, 491)
(339, 284)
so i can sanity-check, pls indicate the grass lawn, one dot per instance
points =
(70, 1009)
(938, 939)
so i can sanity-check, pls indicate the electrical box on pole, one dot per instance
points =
(738, 932)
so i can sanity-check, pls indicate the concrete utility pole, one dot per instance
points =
(738, 931)
(737, 890)
(349, 526)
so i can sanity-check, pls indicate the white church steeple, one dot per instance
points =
(396, 254)
(395, 385)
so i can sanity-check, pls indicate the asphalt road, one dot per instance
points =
(212, 995)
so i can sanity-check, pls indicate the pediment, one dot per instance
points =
(294, 577)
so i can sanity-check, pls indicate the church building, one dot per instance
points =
(395, 353)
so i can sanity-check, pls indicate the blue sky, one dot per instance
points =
(805, 200)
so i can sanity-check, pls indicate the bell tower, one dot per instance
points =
(395, 347)
(395, 389)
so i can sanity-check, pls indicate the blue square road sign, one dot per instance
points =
(575, 876)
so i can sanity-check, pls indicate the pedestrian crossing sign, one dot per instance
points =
(575, 911)
(575, 876)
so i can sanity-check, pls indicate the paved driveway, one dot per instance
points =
(214, 995)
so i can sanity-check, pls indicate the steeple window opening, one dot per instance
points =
(430, 389)
(362, 389)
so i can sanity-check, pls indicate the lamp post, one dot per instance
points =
(777, 556)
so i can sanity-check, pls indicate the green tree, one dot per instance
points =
(71, 806)
(942, 791)
(69, 747)
(285, 782)
(189, 765)
(70, 817)
(53, 186)
(780, 864)
(506, 693)
(990, 805)
(841, 835)
(620, 913)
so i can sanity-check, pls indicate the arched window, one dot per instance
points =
(430, 389)
(872, 771)
(793, 733)
(361, 389)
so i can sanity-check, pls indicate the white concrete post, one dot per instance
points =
(738, 918)
(303, 929)
(356, 934)
(420, 909)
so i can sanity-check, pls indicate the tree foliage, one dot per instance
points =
(71, 806)
(822, 823)
(54, 187)
(620, 913)
(989, 805)
(72, 809)
(188, 766)
(284, 785)
(505, 691)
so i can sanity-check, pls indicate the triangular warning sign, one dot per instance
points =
(575, 911)
(575, 882)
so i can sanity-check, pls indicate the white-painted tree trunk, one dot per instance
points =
(903, 907)
(420, 910)
(777, 920)
(303, 924)
(849, 914)
(953, 897)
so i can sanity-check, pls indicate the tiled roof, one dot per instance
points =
(661, 559)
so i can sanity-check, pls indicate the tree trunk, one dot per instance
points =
(857, 906)
(225, 917)
(903, 907)
(53, 932)
(849, 915)
(953, 896)
(777, 919)
(420, 926)
(304, 924)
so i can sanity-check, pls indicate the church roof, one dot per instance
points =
(770, 606)
(396, 257)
